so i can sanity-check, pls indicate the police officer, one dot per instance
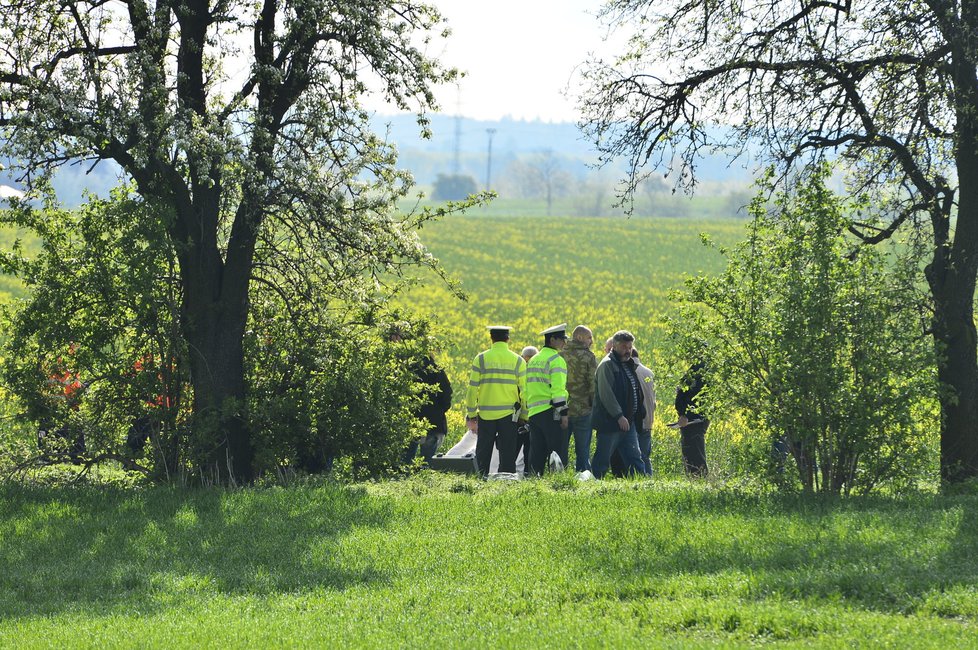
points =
(546, 399)
(494, 400)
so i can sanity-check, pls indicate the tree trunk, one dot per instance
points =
(954, 334)
(953, 287)
(952, 280)
(217, 375)
(214, 320)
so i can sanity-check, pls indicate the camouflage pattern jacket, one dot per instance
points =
(581, 364)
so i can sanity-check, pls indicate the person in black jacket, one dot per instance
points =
(692, 424)
(438, 401)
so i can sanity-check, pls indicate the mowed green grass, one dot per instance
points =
(444, 561)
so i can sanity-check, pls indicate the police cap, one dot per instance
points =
(559, 331)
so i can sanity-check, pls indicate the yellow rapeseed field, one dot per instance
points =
(531, 273)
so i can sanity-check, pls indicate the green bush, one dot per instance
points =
(100, 312)
(103, 309)
(329, 394)
(816, 341)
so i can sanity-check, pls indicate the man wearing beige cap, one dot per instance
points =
(497, 383)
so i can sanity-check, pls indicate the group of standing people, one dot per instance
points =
(539, 400)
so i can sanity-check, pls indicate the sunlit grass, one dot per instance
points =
(447, 561)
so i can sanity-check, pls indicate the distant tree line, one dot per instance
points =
(552, 179)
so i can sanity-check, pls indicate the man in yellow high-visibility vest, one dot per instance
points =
(546, 399)
(495, 399)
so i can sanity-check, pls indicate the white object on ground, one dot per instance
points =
(506, 476)
(467, 446)
(555, 463)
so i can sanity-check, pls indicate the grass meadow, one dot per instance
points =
(445, 561)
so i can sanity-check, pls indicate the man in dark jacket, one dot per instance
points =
(437, 402)
(618, 408)
(437, 399)
(692, 425)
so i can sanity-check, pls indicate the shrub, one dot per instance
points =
(327, 392)
(91, 348)
(816, 339)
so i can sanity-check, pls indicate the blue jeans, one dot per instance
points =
(580, 428)
(645, 446)
(626, 442)
(428, 446)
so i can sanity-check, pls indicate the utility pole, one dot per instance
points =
(456, 163)
(491, 133)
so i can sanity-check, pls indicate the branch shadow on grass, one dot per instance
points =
(888, 555)
(117, 550)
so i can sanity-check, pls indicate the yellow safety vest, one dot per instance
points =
(546, 382)
(496, 384)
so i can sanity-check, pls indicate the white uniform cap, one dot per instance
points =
(498, 327)
(556, 329)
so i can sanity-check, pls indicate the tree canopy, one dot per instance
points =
(241, 129)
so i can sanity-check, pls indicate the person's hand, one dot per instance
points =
(623, 423)
(683, 421)
(472, 424)
(564, 422)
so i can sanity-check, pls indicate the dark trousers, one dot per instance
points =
(694, 448)
(546, 436)
(502, 434)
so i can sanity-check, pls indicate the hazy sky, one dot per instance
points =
(518, 54)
